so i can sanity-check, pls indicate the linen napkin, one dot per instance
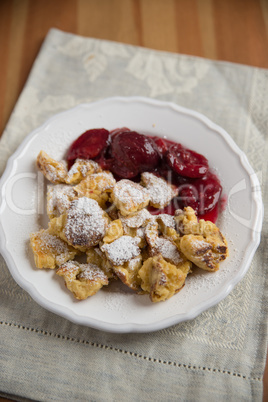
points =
(221, 354)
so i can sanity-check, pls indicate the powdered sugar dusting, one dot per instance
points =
(59, 198)
(85, 225)
(134, 263)
(50, 244)
(88, 272)
(50, 241)
(160, 192)
(168, 250)
(104, 180)
(70, 268)
(122, 250)
(131, 194)
(92, 272)
(167, 220)
(73, 170)
(53, 170)
(200, 245)
(138, 219)
(84, 167)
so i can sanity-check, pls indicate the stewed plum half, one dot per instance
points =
(201, 194)
(186, 162)
(132, 153)
(88, 145)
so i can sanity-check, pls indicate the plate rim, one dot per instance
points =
(169, 321)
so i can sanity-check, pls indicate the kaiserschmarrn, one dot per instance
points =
(107, 224)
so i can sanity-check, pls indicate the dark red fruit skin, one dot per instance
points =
(119, 131)
(103, 160)
(201, 194)
(163, 170)
(210, 190)
(186, 162)
(88, 145)
(162, 145)
(132, 153)
(188, 196)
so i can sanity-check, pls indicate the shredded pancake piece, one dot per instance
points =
(160, 191)
(49, 250)
(97, 186)
(122, 250)
(83, 225)
(204, 252)
(83, 280)
(59, 198)
(98, 257)
(129, 197)
(114, 231)
(186, 221)
(53, 170)
(166, 247)
(138, 219)
(151, 233)
(202, 242)
(128, 273)
(81, 169)
(165, 221)
(160, 278)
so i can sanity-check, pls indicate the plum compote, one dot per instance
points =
(88, 145)
(128, 153)
(132, 153)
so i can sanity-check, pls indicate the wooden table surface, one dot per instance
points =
(232, 30)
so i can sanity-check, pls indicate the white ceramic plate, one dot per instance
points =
(22, 211)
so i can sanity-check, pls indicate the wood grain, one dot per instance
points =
(5, 25)
(207, 28)
(235, 31)
(158, 25)
(242, 24)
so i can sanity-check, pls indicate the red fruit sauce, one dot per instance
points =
(127, 154)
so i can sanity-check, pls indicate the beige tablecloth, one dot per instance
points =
(220, 355)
